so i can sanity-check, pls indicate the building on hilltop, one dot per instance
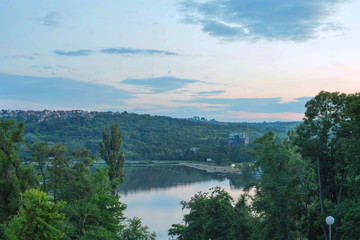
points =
(236, 139)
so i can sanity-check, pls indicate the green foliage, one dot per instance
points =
(279, 199)
(37, 218)
(134, 231)
(329, 139)
(10, 186)
(59, 168)
(110, 152)
(14, 177)
(77, 183)
(91, 210)
(214, 216)
(40, 154)
(350, 210)
(148, 137)
(96, 212)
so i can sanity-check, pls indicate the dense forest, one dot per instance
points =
(148, 137)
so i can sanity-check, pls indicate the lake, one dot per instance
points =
(154, 193)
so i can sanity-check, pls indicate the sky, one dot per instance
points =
(229, 60)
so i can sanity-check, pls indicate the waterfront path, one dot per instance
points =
(210, 168)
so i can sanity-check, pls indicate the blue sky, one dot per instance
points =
(232, 60)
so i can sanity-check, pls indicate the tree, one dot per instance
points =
(14, 177)
(93, 212)
(279, 200)
(40, 153)
(134, 230)
(110, 151)
(77, 183)
(37, 218)
(214, 216)
(347, 208)
(328, 140)
(59, 168)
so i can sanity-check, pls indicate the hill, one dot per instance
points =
(148, 137)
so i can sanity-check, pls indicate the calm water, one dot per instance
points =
(153, 193)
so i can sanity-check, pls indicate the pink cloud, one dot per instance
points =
(252, 115)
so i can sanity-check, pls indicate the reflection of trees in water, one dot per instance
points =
(237, 182)
(152, 177)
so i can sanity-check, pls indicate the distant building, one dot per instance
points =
(236, 139)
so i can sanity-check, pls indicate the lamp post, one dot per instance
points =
(330, 221)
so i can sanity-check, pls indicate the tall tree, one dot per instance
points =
(348, 206)
(328, 140)
(278, 199)
(40, 153)
(110, 151)
(14, 177)
(59, 168)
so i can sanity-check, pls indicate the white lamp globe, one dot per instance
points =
(330, 220)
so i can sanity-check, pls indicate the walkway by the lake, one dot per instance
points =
(210, 168)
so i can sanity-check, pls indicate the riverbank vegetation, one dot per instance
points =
(311, 174)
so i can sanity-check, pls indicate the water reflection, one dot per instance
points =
(143, 178)
(153, 193)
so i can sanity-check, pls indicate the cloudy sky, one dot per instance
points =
(232, 60)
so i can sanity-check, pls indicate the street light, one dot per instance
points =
(330, 221)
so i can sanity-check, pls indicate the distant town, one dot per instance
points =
(44, 115)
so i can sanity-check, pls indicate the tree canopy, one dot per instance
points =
(14, 178)
(37, 218)
(110, 151)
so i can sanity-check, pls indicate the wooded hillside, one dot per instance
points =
(148, 137)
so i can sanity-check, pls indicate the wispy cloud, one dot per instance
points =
(161, 84)
(262, 19)
(120, 51)
(27, 57)
(222, 114)
(51, 19)
(257, 105)
(137, 51)
(209, 93)
(66, 93)
(82, 52)
(55, 68)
